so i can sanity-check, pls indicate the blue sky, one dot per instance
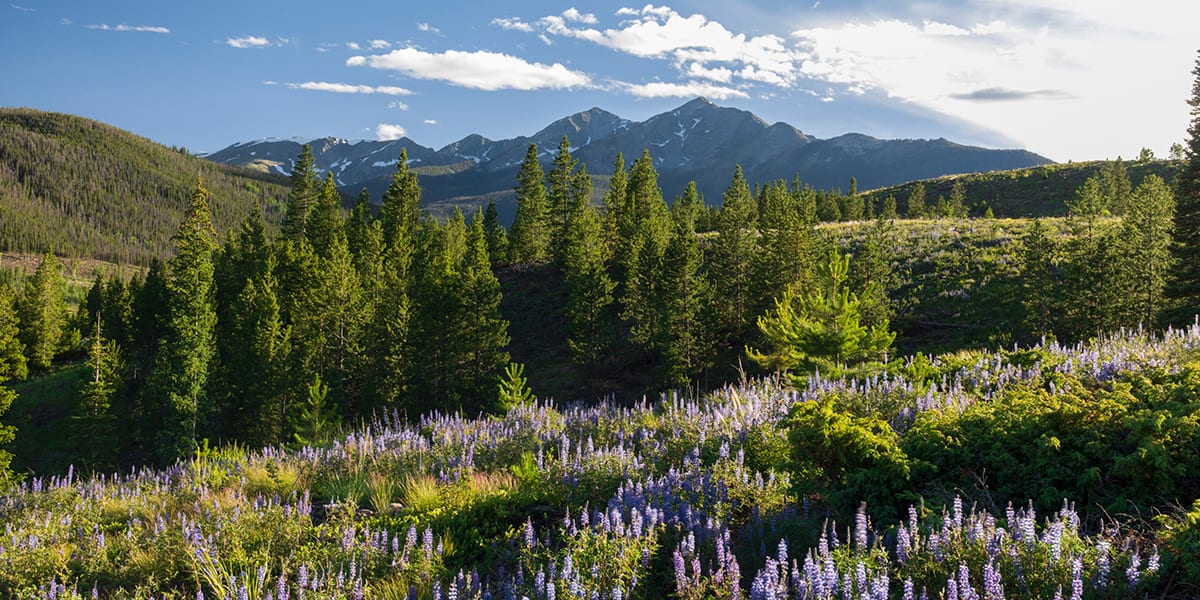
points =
(1070, 79)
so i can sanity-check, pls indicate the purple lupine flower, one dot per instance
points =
(1077, 579)
(1102, 564)
(908, 589)
(1152, 562)
(1132, 574)
(530, 540)
(680, 574)
(860, 527)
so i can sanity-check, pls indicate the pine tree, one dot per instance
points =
(732, 256)
(783, 257)
(562, 199)
(314, 420)
(186, 350)
(1184, 286)
(95, 421)
(1115, 188)
(400, 210)
(300, 199)
(1146, 239)
(485, 328)
(684, 338)
(615, 217)
(686, 208)
(646, 229)
(357, 224)
(958, 201)
(529, 240)
(12, 365)
(873, 274)
(325, 220)
(916, 202)
(514, 388)
(889, 208)
(821, 329)
(43, 314)
(12, 351)
(255, 364)
(1039, 282)
(589, 291)
(497, 238)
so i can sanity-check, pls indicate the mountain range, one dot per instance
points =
(698, 141)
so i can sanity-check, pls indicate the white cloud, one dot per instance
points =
(480, 70)
(386, 132)
(697, 46)
(23, 8)
(353, 46)
(124, 27)
(398, 105)
(380, 44)
(572, 14)
(250, 41)
(431, 121)
(347, 88)
(1066, 78)
(660, 89)
(428, 28)
(512, 24)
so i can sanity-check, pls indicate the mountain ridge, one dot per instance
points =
(698, 141)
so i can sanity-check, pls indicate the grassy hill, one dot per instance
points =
(1032, 192)
(83, 188)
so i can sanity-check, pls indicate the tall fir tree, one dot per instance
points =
(12, 365)
(1146, 249)
(732, 259)
(486, 329)
(562, 199)
(916, 202)
(589, 291)
(497, 238)
(300, 199)
(529, 241)
(325, 220)
(43, 314)
(95, 420)
(400, 210)
(684, 337)
(614, 204)
(873, 275)
(784, 254)
(1115, 187)
(1039, 281)
(255, 364)
(1184, 285)
(187, 348)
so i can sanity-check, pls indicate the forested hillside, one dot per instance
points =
(83, 188)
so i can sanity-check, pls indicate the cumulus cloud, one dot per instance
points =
(698, 47)
(250, 41)
(480, 70)
(353, 46)
(347, 88)
(660, 89)
(386, 132)
(124, 27)
(380, 44)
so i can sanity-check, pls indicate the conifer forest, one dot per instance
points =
(627, 392)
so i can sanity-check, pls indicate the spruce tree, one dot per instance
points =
(873, 275)
(1115, 188)
(12, 365)
(589, 291)
(1146, 240)
(614, 204)
(1039, 282)
(314, 420)
(485, 328)
(400, 210)
(43, 314)
(187, 348)
(12, 352)
(325, 221)
(255, 364)
(300, 199)
(732, 258)
(529, 239)
(497, 238)
(646, 228)
(684, 337)
(822, 328)
(783, 257)
(95, 421)
(1184, 286)
(916, 202)
(562, 199)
